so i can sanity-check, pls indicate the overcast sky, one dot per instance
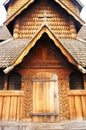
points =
(3, 11)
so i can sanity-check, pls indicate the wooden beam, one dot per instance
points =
(70, 12)
(77, 93)
(43, 29)
(9, 19)
(11, 93)
(44, 114)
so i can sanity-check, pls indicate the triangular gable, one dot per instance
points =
(23, 6)
(43, 29)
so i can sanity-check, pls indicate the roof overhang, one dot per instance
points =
(32, 42)
(76, 17)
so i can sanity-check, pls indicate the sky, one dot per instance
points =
(3, 12)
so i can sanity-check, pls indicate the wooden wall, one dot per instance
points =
(11, 105)
(77, 104)
(43, 57)
(31, 19)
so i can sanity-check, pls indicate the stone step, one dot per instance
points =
(66, 125)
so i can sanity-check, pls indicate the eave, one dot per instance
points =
(76, 17)
(70, 12)
(32, 42)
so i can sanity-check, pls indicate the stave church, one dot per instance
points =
(43, 62)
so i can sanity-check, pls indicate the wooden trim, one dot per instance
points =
(31, 1)
(44, 114)
(43, 80)
(77, 93)
(33, 41)
(70, 12)
(11, 93)
(5, 82)
(9, 19)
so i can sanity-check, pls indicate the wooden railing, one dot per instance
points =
(77, 104)
(11, 105)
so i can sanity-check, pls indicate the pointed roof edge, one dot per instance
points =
(80, 3)
(31, 1)
(44, 29)
(70, 12)
(24, 6)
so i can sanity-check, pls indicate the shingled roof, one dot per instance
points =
(10, 50)
(76, 48)
(4, 33)
(19, 6)
(13, 52)
(82, 33)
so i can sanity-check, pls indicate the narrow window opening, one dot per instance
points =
(76, 80)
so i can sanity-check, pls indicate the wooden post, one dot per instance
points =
(84, 78)
(6, 82)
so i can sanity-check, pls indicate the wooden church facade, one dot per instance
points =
(42, 76)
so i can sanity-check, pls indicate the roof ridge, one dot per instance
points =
(81, 40)
(27, 3)
(6, 41)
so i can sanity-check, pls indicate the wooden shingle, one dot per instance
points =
(4, 33)
(38, 14)
(82, 33)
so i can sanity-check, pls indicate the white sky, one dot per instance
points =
(3, 11)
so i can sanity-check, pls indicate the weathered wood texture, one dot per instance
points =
(66, 125)
(15, 6)
(77, 104)
(45, 97)
(33, 18)
(11, 105)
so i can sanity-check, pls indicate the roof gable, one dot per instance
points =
(19, 6)
(32, 42)
(15, 50)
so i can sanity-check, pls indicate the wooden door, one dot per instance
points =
(45, 97)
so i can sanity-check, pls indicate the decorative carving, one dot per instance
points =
(27, 98)
(63, 99)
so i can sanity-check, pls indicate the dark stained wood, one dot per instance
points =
(45, 55)
(44, 114)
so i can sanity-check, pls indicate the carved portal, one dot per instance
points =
(27, 106)
(63, 99)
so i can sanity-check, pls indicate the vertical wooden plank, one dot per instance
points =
(1, 104)
(34, 97)
(33, 118)
(18, 107)
(45, 102)
(13, 108)
(72, 108)
(78, 107)
(40, 98)
(6, 108)
(21, 107)
(84, 77)
(83, 99)
(52, 101)
(56, 99)
(37, 101)
(48, 100)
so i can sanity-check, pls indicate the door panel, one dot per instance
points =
(45, 97)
